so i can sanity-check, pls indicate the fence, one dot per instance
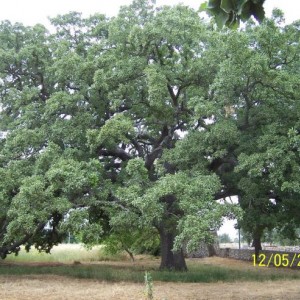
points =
(266, 258)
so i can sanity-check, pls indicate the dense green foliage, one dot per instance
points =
(265, 99)
(279, 237)
(140, 122)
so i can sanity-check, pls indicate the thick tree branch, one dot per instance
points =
(157, 148)
(226, 192)
(117, 152)
(7, 249)
(163, 135)
(138, 147)
(150, 158)
(174, 96)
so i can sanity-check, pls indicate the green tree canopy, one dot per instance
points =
(88, 113)
(142, 121)
(259, 81)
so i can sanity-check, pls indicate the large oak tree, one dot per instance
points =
(143, 121)
(87, 113)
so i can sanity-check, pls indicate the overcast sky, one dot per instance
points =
(30, 12)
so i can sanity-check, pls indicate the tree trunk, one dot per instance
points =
(211, 250)
(257, 245)
(129, 253)
(211, 247)
(170, 260)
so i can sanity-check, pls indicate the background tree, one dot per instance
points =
(45, 164)
(279, 237)
(224, 238)
(140, 241)
(260, 83)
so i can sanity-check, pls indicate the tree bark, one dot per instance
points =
(257, 245)
(211, 250)
(170, 260)
(211, 247)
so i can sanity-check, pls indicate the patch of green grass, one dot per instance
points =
(210, 273)
(65, 253)
(98, 272)
(135, 273)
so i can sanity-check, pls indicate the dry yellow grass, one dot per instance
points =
(242, 265)
(62, 288)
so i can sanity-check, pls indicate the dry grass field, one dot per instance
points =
(63, 288)
(57, 287)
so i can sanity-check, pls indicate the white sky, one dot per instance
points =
(30, 12)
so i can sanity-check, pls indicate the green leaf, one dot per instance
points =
(245, 11)
(213, 4)
(221, 18)
(227, 5)
(258, 12)
(241, 5)
(203, 6)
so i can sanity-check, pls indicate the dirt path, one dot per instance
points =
(63, 288)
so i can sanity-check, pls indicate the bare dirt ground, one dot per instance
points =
(64, 288)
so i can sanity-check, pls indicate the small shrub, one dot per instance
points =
(148, 286)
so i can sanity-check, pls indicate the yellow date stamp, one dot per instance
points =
(276, 259)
